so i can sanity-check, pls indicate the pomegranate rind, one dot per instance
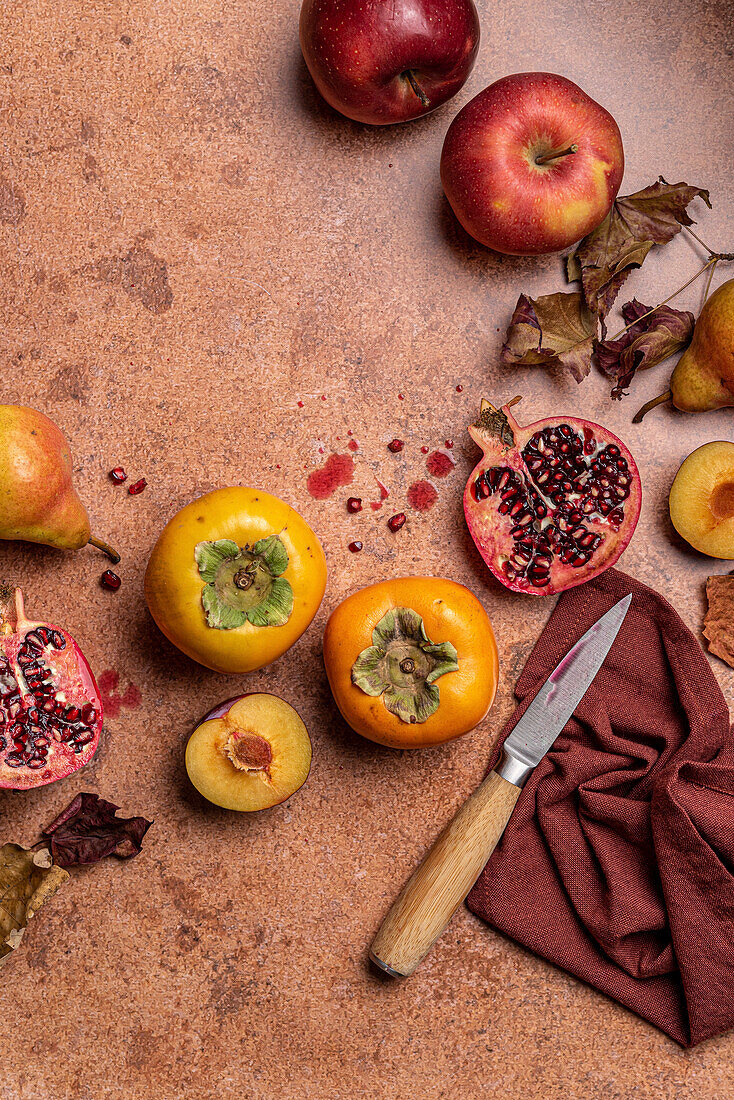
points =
(80, 688)
(491, 531)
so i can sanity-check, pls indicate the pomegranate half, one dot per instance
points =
(552, 504)
(50, 709)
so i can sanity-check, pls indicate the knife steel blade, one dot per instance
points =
(559, 696)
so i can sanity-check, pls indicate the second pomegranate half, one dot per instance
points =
(552, 504)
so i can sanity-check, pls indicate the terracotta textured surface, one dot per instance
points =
(192, 245)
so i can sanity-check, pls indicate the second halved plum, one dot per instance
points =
(249, 753)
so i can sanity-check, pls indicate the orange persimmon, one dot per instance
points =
(411, 662)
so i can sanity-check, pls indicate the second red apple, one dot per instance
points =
(532, 164)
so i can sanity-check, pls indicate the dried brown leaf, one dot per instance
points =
(605, 258)
(718, 625)
(27, 880)
(555, 330)
(651, 338)
(89, 830)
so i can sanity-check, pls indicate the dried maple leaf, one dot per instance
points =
(651, 338)
(89, 830)
(27, 880)
(718, 625)
(636, 223)
(555, 330)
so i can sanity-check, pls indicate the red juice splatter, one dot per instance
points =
(375, 505)
(337, 470)
(353, 445)
(439, 464)
(422, 496)
(108, 683)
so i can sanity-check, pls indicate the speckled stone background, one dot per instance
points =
(192, 243)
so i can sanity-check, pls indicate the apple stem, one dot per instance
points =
(556, 153)
(105, 548)
(410, 77)
(659, 400)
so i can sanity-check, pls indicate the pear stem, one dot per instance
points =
(105, 548)
(556, 154)
(410, 77)
(659, 400)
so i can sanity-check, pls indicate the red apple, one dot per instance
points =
(531, 164)
(386, 61)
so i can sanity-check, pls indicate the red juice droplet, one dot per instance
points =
(375, 505)
(439, 464)
(353, 445)
(422, 496)
(300, 404)
(337, 470)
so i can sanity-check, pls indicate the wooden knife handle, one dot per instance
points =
(444, 878)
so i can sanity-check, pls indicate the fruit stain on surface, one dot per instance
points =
(113, 702)
(375, 505)
(337, 470)
(422, 496)
(440, 464)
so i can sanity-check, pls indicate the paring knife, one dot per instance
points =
(456, 860)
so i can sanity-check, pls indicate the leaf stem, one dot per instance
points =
(712, 261)
(712, 254)
(708, 283)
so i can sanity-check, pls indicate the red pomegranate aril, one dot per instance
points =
(110, 580)
(72, 714)
(396, 445)
(118, 475)
(354, 504)
(396, 522)
(355, 547)
(137, 487)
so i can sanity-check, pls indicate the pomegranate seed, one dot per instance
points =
(396, 522)
(137, 487)
(89, 714)
(110, 580)
(354, 504)
(118, 475)
(395, 446)
(355, 547)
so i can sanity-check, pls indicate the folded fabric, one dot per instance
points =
(618, 861)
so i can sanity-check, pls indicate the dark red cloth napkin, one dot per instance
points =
(618, 861)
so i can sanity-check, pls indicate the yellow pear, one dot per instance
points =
(38, 502)
(704, 375)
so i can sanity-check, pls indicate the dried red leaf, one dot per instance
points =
(605, 258)
(89, 830)
(555, 330)
(718, 625)
(648, 341)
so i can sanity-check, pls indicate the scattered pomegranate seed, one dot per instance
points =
(396, 522)
(354, 504)
(118, 475)
(459, 389)
(300, 404)
(448, 444)
(424, 450)
(355, 547)
(401, 397)
(137, 487)
(396, 446)
(110, 580)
